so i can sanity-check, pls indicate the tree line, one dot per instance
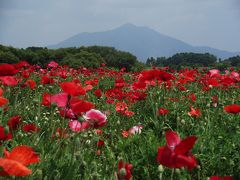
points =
(193, 60)
(95, 56)
(90, 57)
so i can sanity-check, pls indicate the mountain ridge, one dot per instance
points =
(141, 41)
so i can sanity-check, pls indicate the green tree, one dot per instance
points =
(233, 61)
(8, 57)
(82, 58)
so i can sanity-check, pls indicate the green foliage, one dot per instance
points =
(233, 61)
(83, 58)
(184, 59)
(91, 56)
(6, 56)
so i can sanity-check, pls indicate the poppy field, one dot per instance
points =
(57, 122)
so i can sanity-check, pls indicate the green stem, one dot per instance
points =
(172, 174)
(160, 176)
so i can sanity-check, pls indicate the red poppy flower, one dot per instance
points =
(155, 74)
(163, 111)
(115, 93)
(47, 80)
(182, 88)
(121, 107)
(98, 93)
(21, 64)
(119, 83)
(221, 178)
(234, 108)
(72, 88)
(192, 97)
(176, 154)
(87, 88)
(4, 136)
(3, 101)
(15, 163)
(9, 80)
(1, 91)
(194, 112)
(211, 82)
(214, 99)
(100, 143)
(124, 171)
(139, 86)
(31, 83)
(25, 73)
(79, 106)
(30, 128)
(46, 99)
(129, 113)
(7, 70)
(133, 96)
(125, 133)
(14, 122)
(92, 82)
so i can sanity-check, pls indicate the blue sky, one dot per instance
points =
(213, 23)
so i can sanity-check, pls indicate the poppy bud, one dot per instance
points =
(36, 100)
(38, 172)
(183, 121)
(160, 168)
(178, 171)
(122, 173)
(88, 141)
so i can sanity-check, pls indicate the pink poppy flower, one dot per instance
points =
(75, 126)
(214, 73)
(96, 118)
(52, 64)
(60, 99)
(135, 130)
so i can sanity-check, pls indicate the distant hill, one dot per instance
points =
(143, 42)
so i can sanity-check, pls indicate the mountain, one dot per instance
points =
(143, 42)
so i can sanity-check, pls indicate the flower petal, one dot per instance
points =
(185, 145)
(172, 139)
(24, 155)
(14, 168)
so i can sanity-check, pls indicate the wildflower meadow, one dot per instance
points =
(58, 122)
